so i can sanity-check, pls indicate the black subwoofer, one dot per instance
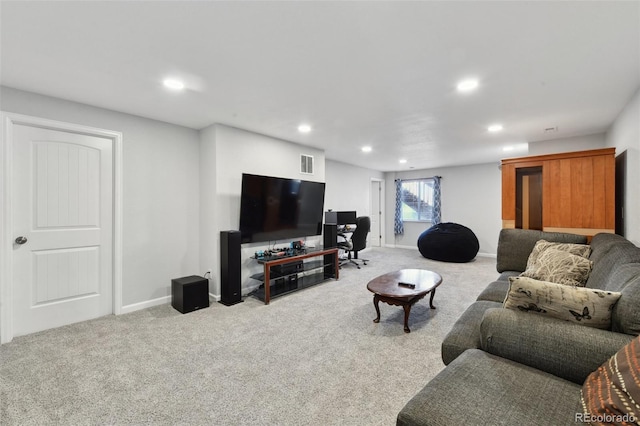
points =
(189, 293)
(230, 282)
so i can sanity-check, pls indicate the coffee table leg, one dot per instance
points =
(376, 300)
(433, 293)
(407, 310)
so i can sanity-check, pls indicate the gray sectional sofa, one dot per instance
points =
(508, 367)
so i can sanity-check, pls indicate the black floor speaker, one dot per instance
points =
(189, 293)
(330, 240)
(330, 236)
(230, 282)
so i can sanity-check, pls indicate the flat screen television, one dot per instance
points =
(273, 208)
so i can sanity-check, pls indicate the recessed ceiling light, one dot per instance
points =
(304, 128)
(495, 128)
(467, 85)
(507, 148)
(366, 149)
(402, 161)
(173, 84)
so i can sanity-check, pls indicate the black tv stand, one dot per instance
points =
(286, 273)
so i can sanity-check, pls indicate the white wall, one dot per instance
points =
(161, 202)
(471, 196)
(229, 152)
(576, 143)
(624, 134)
(348, 187)
(208, 213)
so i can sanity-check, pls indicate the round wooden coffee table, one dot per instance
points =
(404, 288)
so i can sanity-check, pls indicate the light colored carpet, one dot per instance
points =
(313, 357)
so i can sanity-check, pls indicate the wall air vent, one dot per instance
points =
(306, 164)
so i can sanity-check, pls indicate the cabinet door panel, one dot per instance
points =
(558, 200)
(551, 200)
(508, 192)
(610, 193)
(599, 193)
(581, 200)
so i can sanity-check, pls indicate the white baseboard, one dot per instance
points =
(147, 304)
(404, 247)
(215, 298)
(155, 302)
(492, 255)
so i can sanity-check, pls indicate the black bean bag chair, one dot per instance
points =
(449, 242)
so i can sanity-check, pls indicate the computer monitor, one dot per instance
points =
(340, 218)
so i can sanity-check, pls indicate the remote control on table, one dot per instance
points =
(408, 285)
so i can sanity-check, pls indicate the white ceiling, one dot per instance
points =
(360, 73)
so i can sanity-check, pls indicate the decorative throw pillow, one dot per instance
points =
(611, 394)
(560, 267)
(580, 305)
(583, 250)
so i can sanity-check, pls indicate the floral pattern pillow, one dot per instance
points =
(580, 305)
(559, 266)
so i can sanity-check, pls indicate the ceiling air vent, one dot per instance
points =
(306, 164)
(551, 129)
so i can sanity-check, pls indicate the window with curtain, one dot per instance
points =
(418, 200)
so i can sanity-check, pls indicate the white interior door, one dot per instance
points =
(376, 211)
(62, 211)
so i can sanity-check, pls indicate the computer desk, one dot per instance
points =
(345, 231)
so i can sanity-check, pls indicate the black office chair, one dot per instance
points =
(357, 242)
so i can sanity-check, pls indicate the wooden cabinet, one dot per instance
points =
(577, 192)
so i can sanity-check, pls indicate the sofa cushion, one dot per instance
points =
(541, 245)
(515, 245)
(465, 333)
(495, 292)
(482, 389)
(612, 392)
(608, 253)
(559, 266)
(562, 348)
(584, 306)
(626, 314)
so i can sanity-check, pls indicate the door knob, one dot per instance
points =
(21, 240)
